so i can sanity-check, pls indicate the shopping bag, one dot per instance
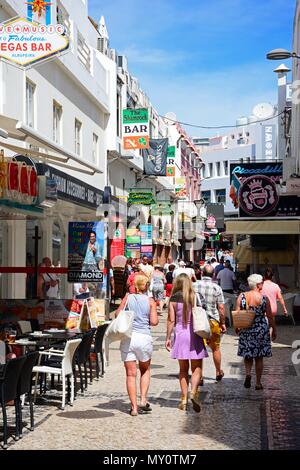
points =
(121, 326)
(201, 326)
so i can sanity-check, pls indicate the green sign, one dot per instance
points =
(145, 198)
(171, 152)
(135, 116)
(162, 208)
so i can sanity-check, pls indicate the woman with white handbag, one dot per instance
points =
(139, 346)
(188, 347)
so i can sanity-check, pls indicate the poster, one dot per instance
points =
(56, 313)
(75, 315)
(86, 252)
(96, 311)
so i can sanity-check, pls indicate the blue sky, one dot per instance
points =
(202, 59)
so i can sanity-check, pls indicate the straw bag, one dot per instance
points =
(243, 319)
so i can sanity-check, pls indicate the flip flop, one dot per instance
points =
(220, 377)
(146, 408)
(133, 413)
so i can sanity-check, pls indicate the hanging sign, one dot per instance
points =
(145, 198)
(155, 158)
(136, 129)
(18, 181)
(171, 168)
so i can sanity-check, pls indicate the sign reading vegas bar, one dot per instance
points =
(25, 42)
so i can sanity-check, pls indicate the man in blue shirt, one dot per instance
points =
(93, 254)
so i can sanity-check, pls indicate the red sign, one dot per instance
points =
(117, 247)
(19, 182)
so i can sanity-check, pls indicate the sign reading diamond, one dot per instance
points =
(24, 42)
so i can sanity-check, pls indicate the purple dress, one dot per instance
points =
(187, 344)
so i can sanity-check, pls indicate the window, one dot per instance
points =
(225, 168)
(211, 170)
(95, 148)
(30, 96)
(218, 168)
(221, 195)
(57, 115)
(78, 127)
(206, 195)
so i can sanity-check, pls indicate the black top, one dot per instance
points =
(169, 277)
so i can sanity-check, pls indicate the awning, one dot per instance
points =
(244, 255)
(263, 227)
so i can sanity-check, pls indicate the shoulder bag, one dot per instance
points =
(243, 319)
(201, 324)
(121, 327)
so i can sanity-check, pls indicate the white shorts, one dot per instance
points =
(137, 348)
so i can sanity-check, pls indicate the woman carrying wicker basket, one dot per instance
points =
(255, 341)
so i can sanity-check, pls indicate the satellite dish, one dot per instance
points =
(170, 118)
(263, 110)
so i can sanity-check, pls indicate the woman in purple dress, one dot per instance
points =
(187, 345)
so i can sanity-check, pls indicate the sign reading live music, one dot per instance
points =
(136, 129)
(25, 42)
(257, 192)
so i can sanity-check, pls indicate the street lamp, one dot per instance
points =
(281, 54)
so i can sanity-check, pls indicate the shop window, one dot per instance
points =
(30, 103)
(57, 120)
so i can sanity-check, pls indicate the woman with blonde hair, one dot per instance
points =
(188, 348)
(139, 346)
(255, 342)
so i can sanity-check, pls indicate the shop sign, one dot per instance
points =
(171, 168)
(162, 208)
(72, 189)
(117, 247)
(18, 181)
(268, 141)
(258, 196)
(145, 198)
(215, 216)
(25, 43)
(146, 234)
(136, 129)
(86, 252)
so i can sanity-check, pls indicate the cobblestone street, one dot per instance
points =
(231, 417)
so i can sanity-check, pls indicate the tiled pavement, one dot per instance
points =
(231, 417)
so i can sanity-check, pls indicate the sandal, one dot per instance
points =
(220, 377)
(146, 408)
(133, 413)
(259, 387)
(247, 383)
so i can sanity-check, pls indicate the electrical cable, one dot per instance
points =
(221, 127)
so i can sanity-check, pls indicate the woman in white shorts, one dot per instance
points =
(139, 346)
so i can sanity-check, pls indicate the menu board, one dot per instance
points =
(96, 311)
(75, 315)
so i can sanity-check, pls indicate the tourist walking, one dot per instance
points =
(273, 292)
(169, 281)
(215, 310)
(188, 348)
(139, 346)
(146, 266)
(157, 286)
(227, 279)
(255, 342)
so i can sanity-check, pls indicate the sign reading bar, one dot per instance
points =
(136, 129)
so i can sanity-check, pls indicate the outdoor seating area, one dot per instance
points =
(30, 363)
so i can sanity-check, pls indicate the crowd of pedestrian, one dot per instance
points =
(181, 286)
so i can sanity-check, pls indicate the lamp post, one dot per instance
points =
(281, 54)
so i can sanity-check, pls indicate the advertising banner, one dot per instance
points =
(146, 234)
(268, 141)
(86, 252)
(180, 188)
(135, 129)
(96, 311)
(117, 247)
(133, 243)
(155, 158)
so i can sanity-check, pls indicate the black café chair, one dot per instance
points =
(9, 392)
(24, 387)
(97, 348)
(83, 356)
